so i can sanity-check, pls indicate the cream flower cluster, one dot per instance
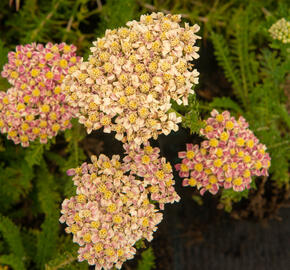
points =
(133, 72)
(112, 210)
(35, 107)
(229, 157)
(281, 30)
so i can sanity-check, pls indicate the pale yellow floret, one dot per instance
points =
(160, 175)
(45, 108)
(247, 158)
(145, 159)
(24, 126)
(224, 136)
(87, 238)
(20, 107)
(240, 142)
(34, 72)
(27, 98)
(213, 142)
(213, 179)
(219, 152)
(103, 233)
(234, 165)
(112, 208)
(198, 167)
(183, 167)
(247, 173)
(218, 163)
(49, 75)
(117, 219)
(250, 143)
(190, 154)
(238, 181)
(35, 130)
(98, 247)
(43, 124)
(55, 127)
(110, 252)
(95, 224)
(229, 125)
(81, 198)
(14, 74)
(145, 222)
(192, 182)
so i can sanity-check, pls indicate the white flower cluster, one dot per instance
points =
(132, 74)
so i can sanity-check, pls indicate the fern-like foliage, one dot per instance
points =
(49, 202)
(257, 79)
(11, 235)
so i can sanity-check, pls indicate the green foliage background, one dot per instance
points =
(33, 182)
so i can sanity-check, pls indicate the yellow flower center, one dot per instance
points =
(224, 136)
(240, 142)
(184, 168)
(219, 118)
(112, 208)
(213, 142)
(192, 182)
(198, 167)
(95, 224)
(98, 247)
(238, 181)
(34, 72)
(160, 175)
(229, 125)
(145, 159)
(218, 163)
(190, 154)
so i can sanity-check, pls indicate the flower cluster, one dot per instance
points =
(229, 157)
(133, 72)
(155, 172)
(281, 30)
(111, 210)
(35, 107)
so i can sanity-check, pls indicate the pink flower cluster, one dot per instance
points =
(133, 72)
(35, 107)
(155, 172)
(112, 210)
(229, 157)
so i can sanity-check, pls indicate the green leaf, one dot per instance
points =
(12, 261)
(11, 234)
(34, 154)
(147, 261)
(226, 103)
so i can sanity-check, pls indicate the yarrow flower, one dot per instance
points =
(281, 30)
(229, 157)
(133, 72)
(156, 173)
(112, 210)
(35, 107)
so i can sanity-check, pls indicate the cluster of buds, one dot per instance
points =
(132, 74)
(229, 157)
(35, 107)
(281, 30)
(112, 210)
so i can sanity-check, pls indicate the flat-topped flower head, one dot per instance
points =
(133, 72)
(112, 210)
(35, 107)
(229, 157)
(280, 30)
(145, 163)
